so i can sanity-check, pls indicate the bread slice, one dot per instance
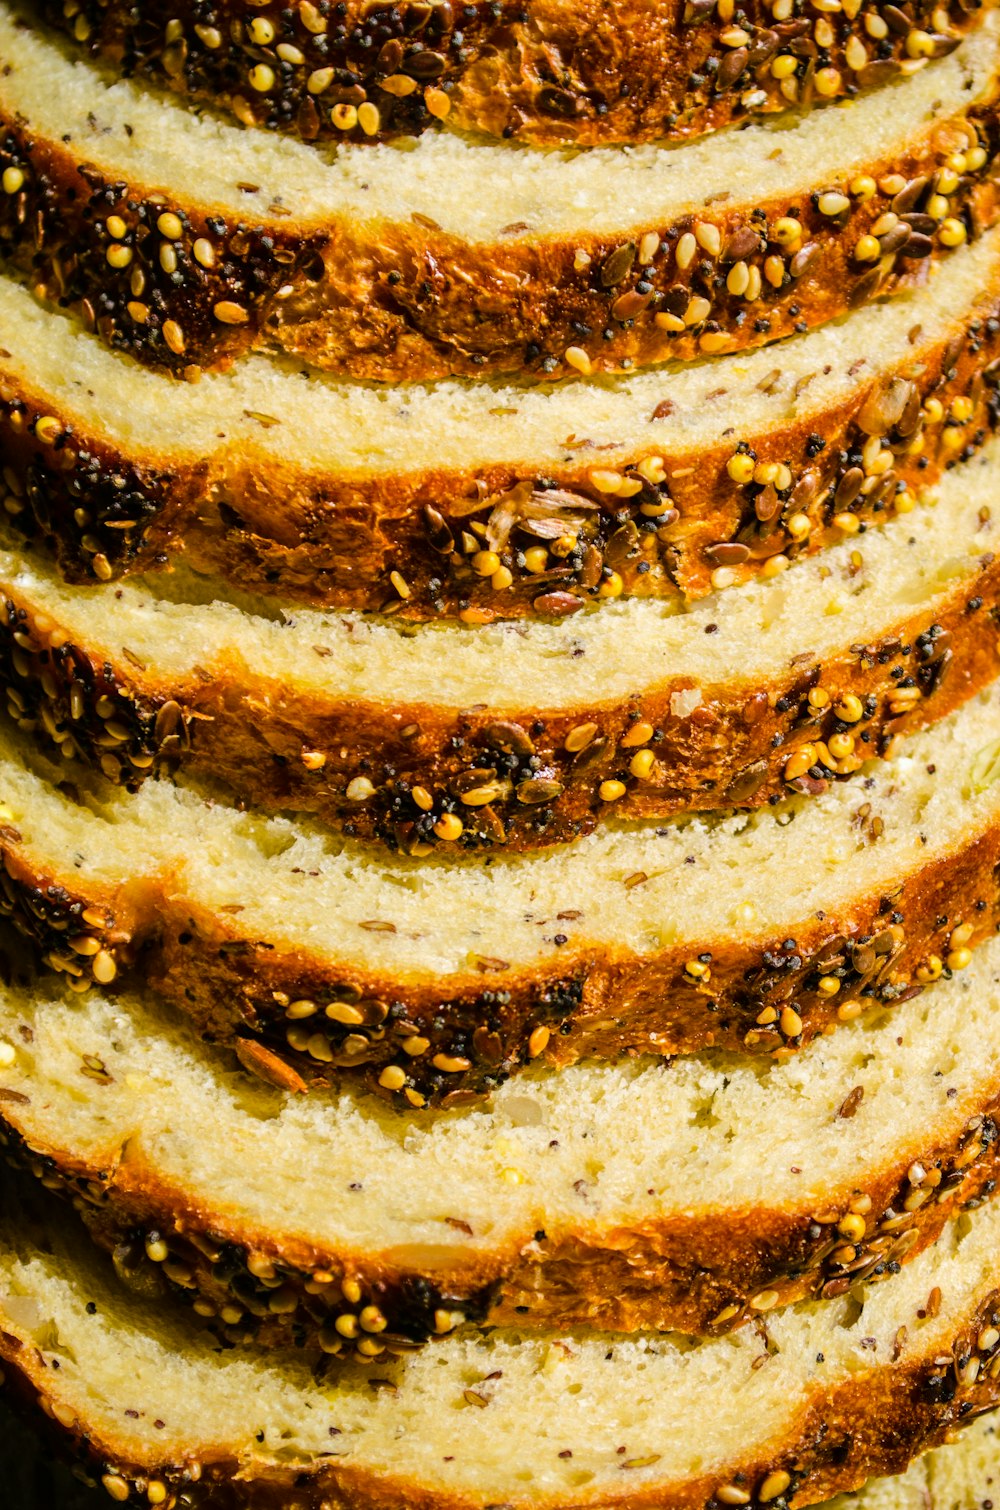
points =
(546, 71)
(487, 502)
(624, 1196)
(846, 1389)
(432, 980)
(387, 262)
(634, 710)
(957, 1476)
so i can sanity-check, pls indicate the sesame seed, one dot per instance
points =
(790, 1022)
(709, 238)
(174, 336)
(451, 1064)
(103, 967)
(766, 1300)
(698, 309)
(687, 250)
(399, 84)
(228, 313)
(538, 1041)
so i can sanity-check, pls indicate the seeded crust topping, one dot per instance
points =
(417, 777)
(299, 1016)
(904, 1393)
(181, 287)
(538, 72)
(253, 1294)
(545, 546)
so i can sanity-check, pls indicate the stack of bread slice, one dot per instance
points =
(500, 760)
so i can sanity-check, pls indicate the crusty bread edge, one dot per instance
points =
(403, 304)
(624, 77)
(868, 1425)
(399, 541)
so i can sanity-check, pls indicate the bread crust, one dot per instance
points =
(544, 71)
(470, 1031)
(672, 524)
(870, 1424)
(701, 1273)
(417, 302)
(513, 776)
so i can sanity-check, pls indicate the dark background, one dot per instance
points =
(30, 1479)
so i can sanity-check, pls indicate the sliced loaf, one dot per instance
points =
(697, 1196)
(957, 1476)
(382, 729)
(431, 980)
(187, 241)
(828, 1395)
(486, 503)
(546, 71)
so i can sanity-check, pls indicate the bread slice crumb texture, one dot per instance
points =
(300, 889)
(586, 1395)
(129, 133)
(453, 499)
(632, 1195)
(387, 261)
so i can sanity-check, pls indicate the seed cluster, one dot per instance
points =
(318, 71)
(180, 289)
(935, 1396)
(549, 546)
(971, 1367)
(247, 1295)
(541, 545)
(469, 780)
(305, 1023)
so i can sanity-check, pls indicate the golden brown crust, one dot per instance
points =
(541, 71)
(869, 1424)
(408, 773)
(702, 1272)
(444, 1039)
(671, 524)
(418, 302)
